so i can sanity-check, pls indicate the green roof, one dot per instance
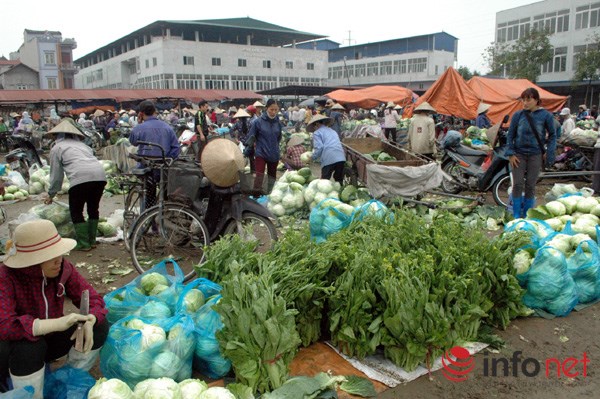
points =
(245, 23)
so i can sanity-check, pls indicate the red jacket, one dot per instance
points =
(26, 295)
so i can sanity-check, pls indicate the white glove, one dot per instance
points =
(88, 333)
(47, 326)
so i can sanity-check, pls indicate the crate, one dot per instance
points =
(357, 148)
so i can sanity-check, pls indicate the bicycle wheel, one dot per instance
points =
(448, 186)
(171, 232)
(133, 204)
(501, 190)
(255, 227)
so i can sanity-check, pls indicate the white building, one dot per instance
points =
(51, 56)
(225, 54)
(571, 24)
(412, 62)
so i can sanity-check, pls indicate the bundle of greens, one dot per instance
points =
(259, 332)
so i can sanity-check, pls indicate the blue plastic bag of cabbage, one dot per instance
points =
(584, 267)
(194, 295)
(538, 229)
(21, 393)
(373, 208)
(329, 216)
(550, 287)
(160, 283)
(123, 302)
(67, 383)
(137, 349)
(207, 355)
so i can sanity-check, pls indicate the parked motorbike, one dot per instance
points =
(23, 156)
(476, 170)
(188, 140)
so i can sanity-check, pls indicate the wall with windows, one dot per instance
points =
(416, 71)
(171, 63)
(570, 23)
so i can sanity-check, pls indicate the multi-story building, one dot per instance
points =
(413, 62)
(50, 56)
(570, 23)
(224, 54)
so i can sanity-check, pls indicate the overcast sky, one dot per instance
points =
(95, 24)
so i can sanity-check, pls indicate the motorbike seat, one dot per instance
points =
(468, 151)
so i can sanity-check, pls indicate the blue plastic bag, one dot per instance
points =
(67, 383)
(164, 350)
(175, 280)
(207, 287)
(538, 229)
(207, 355)
(373, 208)
(21, 393)
(584, 267)
(123, 302)
(326, 219)
(550, 287)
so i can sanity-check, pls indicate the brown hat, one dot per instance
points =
(295, 140)
(316, 118)
(35, 242)
(222, 162)
(583, 107)
(98, 112)
(338, 106)
(14, 115)
(390, 104)
(258, 104)
(425, 106)
(66, 127)
(241, 114)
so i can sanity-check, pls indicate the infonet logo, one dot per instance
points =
(457, 370)
(457, 367)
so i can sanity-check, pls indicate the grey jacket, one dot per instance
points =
(77, 160)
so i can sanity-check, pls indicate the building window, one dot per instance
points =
(188, 81)
(310, 66)
(266, 82)
(289, 65)
(385, 68)
(417, 65)
(436, 70)
(154, 61)
(587, 16)
(49, 58)
(311, 82)
(562, 21)
(373, 69)
(147, 64)
(216, 61)
(188, 60)
(349, 71)
(52, 83)
(266, 63)
(242, 82)
(360, 70)
(242, 62)
(501, 33)
(558, 63)
(421, 86)
(288, 81)
(336, 72)
(399, 67)
(217, 82)
(21, 87)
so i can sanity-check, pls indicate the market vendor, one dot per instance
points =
(295, 148)
(421, 132)
(35, 278)
(482, 121)
(327, 147)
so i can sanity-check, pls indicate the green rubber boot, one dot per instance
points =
(93, 231)
(82, 236)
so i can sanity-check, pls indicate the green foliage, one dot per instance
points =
(522, 58)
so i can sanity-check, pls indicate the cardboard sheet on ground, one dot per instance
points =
(380, 369)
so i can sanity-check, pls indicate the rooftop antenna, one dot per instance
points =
(350, 40)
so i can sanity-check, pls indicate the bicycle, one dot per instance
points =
(167, 229)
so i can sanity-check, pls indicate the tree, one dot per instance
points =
(466, 73)
(523, 58)
(588, 63)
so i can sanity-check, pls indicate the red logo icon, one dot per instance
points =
(457, 369)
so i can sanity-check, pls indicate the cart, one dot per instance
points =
(409, 177)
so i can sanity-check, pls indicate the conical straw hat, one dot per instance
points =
(222, 162)
(66, 127)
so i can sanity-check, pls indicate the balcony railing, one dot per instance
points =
(69, 67)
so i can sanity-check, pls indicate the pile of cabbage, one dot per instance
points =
(561, 266)
(39, 181)
(58, 213)
(110, 168)
(581, 135)
(163, 388)
(287, 196)
(13, 192)
(177, 325)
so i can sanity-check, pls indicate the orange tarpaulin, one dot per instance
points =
(371, 97)
(449, 95)
(503, 96)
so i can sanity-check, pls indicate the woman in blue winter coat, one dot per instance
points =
(531, 143)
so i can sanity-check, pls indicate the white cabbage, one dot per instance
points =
(110, 389)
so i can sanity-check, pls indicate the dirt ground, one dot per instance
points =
(566, 339)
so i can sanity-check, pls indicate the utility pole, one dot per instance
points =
(346, 69)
